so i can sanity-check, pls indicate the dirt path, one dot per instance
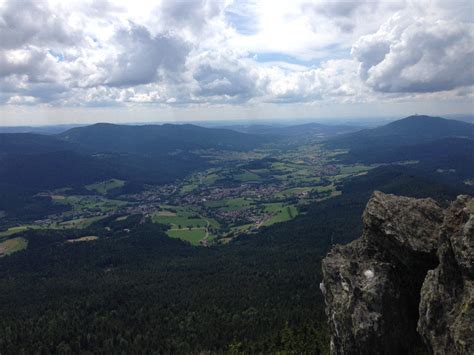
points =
(204, 241)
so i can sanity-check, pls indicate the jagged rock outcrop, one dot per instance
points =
(372, 285)
(446, 320)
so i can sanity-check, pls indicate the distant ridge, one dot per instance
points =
(407, 131)
(428, 126)
(408, 139)
(149, 139)
(295, 130)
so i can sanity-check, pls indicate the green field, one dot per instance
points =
(77, 223)
(215, 203)
(355, 169)
(242, 228)
(13, 230)
(246, 176)
(230, 204)
(89, 203)
(89, 238)
(105, 186)
(182, 218)
(13, 245)
(237, 203)
(281, 213)
(189, 187)
(210, 179)
(192, 236)
(294, 191)
(325, 188)
(73, 223)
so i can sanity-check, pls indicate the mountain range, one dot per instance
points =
(158, 154)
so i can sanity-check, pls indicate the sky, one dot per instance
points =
(184, 60)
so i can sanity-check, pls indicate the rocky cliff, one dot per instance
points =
(407, 284)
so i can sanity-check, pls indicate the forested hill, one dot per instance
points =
(31, 143)
(410, 130)
(144, 292)
(412, 138)
(150, 139)
(153, 154)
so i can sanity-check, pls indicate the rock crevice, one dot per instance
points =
(407, 283)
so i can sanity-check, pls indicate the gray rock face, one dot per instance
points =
(372, 285)
(447, 297)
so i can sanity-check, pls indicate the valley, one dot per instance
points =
(213, 246)
(192, 177)
(217, 184)
(239, 193)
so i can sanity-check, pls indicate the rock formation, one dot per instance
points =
(446, 320)
(407, 283)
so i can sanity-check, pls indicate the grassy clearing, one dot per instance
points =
(294, 191)
(105, 186)
(89, 203)
(210, 179)
(355, 169)
(215, 204)
(231, 204)
(83, 239)
(13, 230)
(242, 228)
(179, 218)
(77, 223)
(281, 213)
(180, 221)
(326, 188)
(13, 245)
(189, 187)
(192, 236)
(260, 171)
(247, 176)
(237, 203)
(195, 181)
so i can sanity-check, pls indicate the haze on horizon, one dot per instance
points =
(124, 61)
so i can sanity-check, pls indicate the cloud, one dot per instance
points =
(416, 55)
(343, 14)
(28, 21)
(246, 53)
(194, 14)
(334, 80)
(223, 75)
(141, 56)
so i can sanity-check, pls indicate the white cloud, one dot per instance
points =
(28, 21)
(140, 57)
(203, 53)
(417, 55)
